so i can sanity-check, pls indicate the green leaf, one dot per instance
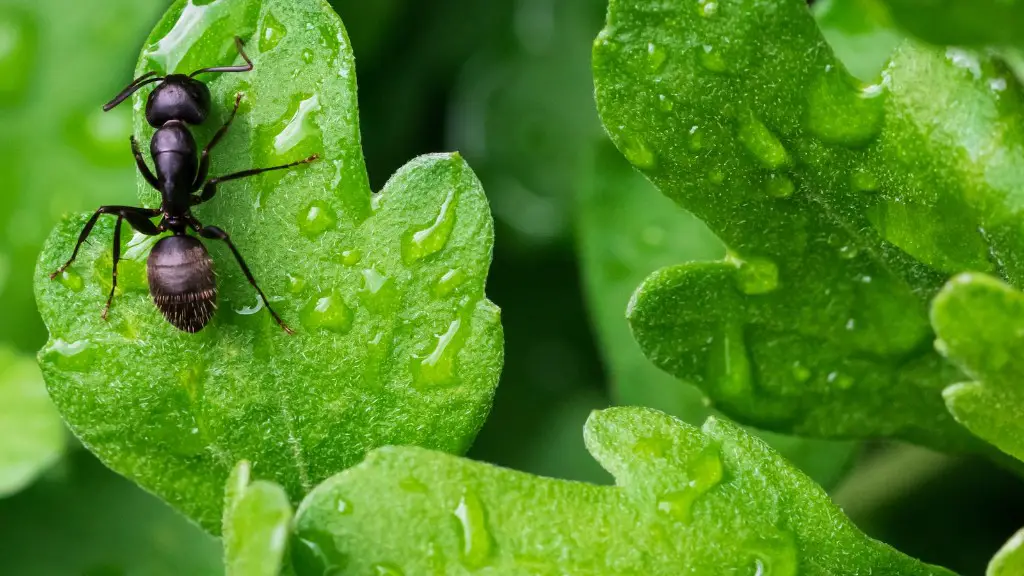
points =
(980, 324)
(860, 32)
(85, 520)
(714, 500)
(257, 517)
(396, 342)
(844, 207)
(1009, 560)
(627, 229)
(961, 22)
(30, 428)
(60, 61)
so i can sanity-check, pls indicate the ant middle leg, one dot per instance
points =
(138, 218)
(204, 161)
(210, 188)
(141, 162)
(136, 222)
(215, 233)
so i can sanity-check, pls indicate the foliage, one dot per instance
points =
(32, 432)
(402, 270)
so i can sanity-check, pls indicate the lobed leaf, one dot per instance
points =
(843, 207)
(980, 324)
(713, 500)
(257, 516)
(31, 428)
(396, 341)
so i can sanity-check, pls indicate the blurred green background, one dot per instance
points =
(507, 83)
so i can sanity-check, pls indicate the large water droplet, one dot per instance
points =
(296, 283)
(448, 283)
(71, 280)
(186, 45)
(780, 186)
(327, 312)
(755, 275)
(316, 219)
(71, 356)
(639, 153)
(656, 57)
(378, 292)
(301, 124)
(419, 243)
(763, 144)
(703, 474)
(19, 49)
(272, 34)
(729, 369)
(775, 556)
(711, 58)
(473, 534)
(864, 181)
(438, 368)
(842, 111)
(351, 257)
(707, 8)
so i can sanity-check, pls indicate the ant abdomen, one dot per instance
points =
(182, 282)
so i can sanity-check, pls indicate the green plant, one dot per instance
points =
(806, 292)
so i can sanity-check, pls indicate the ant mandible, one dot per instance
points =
(180, 271)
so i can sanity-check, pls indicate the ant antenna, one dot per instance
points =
(241, 50)
(147, 78)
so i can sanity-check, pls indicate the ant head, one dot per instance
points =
(178, 97)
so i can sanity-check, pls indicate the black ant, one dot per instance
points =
(180, 271)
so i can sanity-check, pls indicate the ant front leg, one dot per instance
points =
(204, 161)
(210, 188)
(137, 222)
(137, 217)
(215, 233)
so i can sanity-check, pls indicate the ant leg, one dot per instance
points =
(147, 78)
(214, 233)
(117, 256)
(210, 189)
(143, 168)
(204, 162)
(241, 51)
(137, 217)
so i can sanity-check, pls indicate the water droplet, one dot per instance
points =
(439, 366)
(763, 144)
(848, 252)
(272, 34)
(707, 8)
(316, 219)
(652, 447)
(307, 56)
(328, 312)
(296, 283)
(343, 506)
(19, 49)
(300, 125)
(775, 556)
(351, 257)
(71, 356)
(185, 44)
(386, 570)
(711, 59)
(801, 373)
(780, 186)
(703, 474)
(840, 380)
(412, 485)
(729, 369)
(420, 243)
(656, 57)
(378, 291)
(966, 60)
(716, 177)
(864, 181)
(665, 103)
(696, 140)
(755, 275)
(448, 282)
(476, 540)
(638, 153)
(71, 280)
(843, 111)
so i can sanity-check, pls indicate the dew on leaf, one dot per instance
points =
(300, 125)
(439, 366)
(754, 275)
(638, 153)
(776, 556)
(418, 243)
(707, 8)
(351, 257)
(316, 219)
(729, 369)
(656, 57)
(839, 380)
(842, 111)
(386, 570)
(72, 356)
(703, 474)
(343, 506)
(377, 291)
(864, 181)
(448, 282)
(187, 40)
(18, 53)
(475, 548)
(665, 103)
(711, 59)
(780, 186)
(329, 312)
(696, 140)
(762, 143)
(307, 56)
(272, 34)
(296, 283)
(71, 279)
